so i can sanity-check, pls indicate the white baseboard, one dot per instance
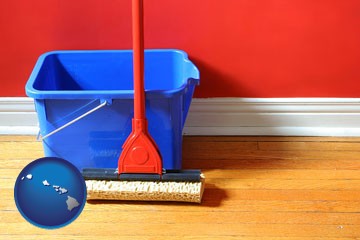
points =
(231, 116)
(18, 116)
(274, 116)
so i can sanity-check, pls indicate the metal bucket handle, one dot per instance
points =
(103, 103)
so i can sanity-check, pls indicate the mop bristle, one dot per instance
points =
(145, 190)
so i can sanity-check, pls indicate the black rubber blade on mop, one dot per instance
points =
(189, 175)
(139, 177)
(168, 175)
(100, 174)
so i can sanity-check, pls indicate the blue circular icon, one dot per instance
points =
(50, 192)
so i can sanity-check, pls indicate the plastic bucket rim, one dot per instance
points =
(34, 93)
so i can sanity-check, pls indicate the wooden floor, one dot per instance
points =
(256, 188)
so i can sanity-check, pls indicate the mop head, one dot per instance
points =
(145, 190)
(102, 185)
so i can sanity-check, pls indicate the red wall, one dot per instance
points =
(243, 48)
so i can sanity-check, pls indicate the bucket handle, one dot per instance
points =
(39, 137)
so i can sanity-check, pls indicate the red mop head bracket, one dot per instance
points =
(140, 153)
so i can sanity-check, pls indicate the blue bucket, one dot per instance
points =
(84, 103)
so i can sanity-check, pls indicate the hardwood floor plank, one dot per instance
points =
(208, 217)
(17, 138)
(332, 165)
(203, 152)
(139, 229)
(219, 195)
(281, 174)
(309, 146)
(300, 174)
(266, 184)
(15, 146)
(268, 139)
(216, 205)
(117, 236)
(261, 164)
(291, 163)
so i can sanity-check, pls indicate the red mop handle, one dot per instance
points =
(138, 59)
(140, 153)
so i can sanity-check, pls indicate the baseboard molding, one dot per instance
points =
(231, 116)
(274, 116)
(18, 116)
